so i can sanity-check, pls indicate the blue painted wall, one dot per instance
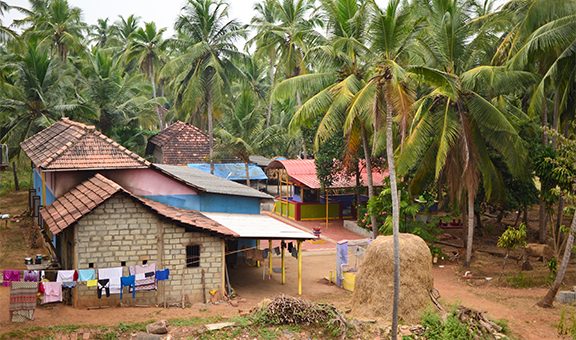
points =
(211, 203)
(37, 179)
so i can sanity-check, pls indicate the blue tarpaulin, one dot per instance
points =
(232, 171)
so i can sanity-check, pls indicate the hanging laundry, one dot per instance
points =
(294, 252)
(31, 276)
(86, 275)
(52, 292)
(9, 276)
(103, 285)
(23, 300)
(149, 272)
(67, 277)
(130, 282)
(290, 247)
(265, 253)
(112, 274)
(91, 283)
(277, 250)
(283, 244)
(162, 275)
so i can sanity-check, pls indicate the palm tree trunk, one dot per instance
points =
(247, 173)
(369, 179)
(548, 300)
(271, 76)
(556, 119)
(158, 112)
(395, 220)
(470, 236)
(210, 133)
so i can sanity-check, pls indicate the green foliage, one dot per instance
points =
(513, 238)
(452, 328)
(520, 280)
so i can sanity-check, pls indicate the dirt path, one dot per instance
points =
(517, 306)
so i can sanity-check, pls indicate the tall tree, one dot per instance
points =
(148, 49)
(456, 123)
(201, 74)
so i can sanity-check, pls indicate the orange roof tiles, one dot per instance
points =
(181, 144)
(69, 145)
(85, 197)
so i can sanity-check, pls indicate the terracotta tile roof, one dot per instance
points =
(69, 145)
(180, 144)
(78, 202)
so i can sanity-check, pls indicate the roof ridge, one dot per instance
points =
(64, 148)
(78, 124)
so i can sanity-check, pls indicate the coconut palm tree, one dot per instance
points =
(148, 49)
(5, 32)
(456, 123)
(200, 75)
(123, 29)
(37, 91)
(100, 34)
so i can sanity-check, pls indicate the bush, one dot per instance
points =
(452, 328)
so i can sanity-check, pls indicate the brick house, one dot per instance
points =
(179, 144)
(102, 225)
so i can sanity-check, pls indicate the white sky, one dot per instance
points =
(163, 12)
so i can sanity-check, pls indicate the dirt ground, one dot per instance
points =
(515, 305)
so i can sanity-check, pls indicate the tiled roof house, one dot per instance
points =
(179, 144)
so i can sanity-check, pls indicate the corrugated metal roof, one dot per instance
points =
(259, 227)
(209, 183)
(261, 161)
(304, 171)
(232, 171)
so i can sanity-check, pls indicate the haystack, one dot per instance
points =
(374, 286)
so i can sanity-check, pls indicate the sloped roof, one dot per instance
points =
(209, 183)
(181, 144)
(254, 226)
(87, 196)
(303, 171)
(261, 161)
(232, 171)
(69, 145)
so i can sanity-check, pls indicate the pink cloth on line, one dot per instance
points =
(52, 292)
(9, 276)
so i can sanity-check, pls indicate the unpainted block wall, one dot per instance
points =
(121, 229)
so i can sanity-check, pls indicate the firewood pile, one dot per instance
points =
(287, 310)
(479, 324)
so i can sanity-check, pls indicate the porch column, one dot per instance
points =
(299, 267)
(270, 258)
(283, 266)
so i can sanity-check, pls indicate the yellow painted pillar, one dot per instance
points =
(257, 248)
(270, 258)
(283, 265)
(299, 267)
(43, 176)
(326, 198)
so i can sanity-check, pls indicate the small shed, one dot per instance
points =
(300, 195)
(179, 144)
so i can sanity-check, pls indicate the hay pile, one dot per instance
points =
(374, 286)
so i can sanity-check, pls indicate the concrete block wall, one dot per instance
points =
(121, 229)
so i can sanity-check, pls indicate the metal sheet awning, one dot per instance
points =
(261, 227)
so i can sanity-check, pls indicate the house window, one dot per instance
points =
(193, 256)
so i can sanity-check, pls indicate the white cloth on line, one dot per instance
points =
(112, 274)
(65, 276)
(140, 276)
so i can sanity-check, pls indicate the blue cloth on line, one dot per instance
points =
(162, 275)
(86, 275)
(128, 281)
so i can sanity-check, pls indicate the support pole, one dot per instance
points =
(299, 267)
(283, 265)
(43, 177)
(257, 248)
(269, 258)
(326, 198)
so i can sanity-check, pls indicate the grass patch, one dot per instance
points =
(520, 280)
(194, 321)
(452, 328)
(24, 173)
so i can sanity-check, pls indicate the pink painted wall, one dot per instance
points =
(144, 182)
(141, 182)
